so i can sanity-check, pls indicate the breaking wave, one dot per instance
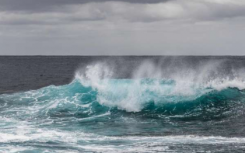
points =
(150, 107)
(149, 91)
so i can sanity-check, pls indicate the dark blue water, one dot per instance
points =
(122, 104)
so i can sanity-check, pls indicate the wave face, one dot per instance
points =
(150, 111)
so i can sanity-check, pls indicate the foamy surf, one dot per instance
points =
(153, 110)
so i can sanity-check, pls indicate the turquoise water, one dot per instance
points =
(124, 115)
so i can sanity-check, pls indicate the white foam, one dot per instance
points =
(188, 85)
(22, 132)
(159, 144)
(27, 133)
(220, 84)
(94, 73)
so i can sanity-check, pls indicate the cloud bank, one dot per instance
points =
(77, 11)
(85, 18)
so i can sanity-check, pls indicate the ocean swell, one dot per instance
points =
(95, 92)
(140, 96)
(151, 110)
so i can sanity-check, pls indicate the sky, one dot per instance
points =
(122, 27)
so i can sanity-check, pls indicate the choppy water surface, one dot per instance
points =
(155, 109)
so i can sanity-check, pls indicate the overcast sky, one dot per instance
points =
(122, 27)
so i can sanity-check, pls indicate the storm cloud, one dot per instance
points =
(49, 5)
(110, 27)
(63, 11)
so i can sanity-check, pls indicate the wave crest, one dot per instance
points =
(96, 91)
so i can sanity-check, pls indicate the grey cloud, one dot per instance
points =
(50, 5)
(175, 10)
(119, 27)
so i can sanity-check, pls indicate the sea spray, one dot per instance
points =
(156, 108)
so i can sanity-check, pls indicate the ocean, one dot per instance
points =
(130, 104)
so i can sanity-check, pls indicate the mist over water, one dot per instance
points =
(158, 83)
(148, 105)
